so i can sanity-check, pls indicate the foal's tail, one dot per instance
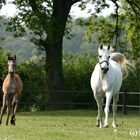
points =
(126, 66)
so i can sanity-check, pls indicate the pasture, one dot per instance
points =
(69, 125)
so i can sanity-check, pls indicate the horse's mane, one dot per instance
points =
(125, 64)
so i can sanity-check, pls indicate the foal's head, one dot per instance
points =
(104, 55)
(11, 64)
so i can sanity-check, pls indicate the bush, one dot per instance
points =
(34, 87)
(77, 72)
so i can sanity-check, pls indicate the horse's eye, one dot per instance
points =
(100, 56)
(108, 57)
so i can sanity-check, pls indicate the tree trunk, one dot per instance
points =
(54, 70)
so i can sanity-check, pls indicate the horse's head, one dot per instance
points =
(11, 64)
(104, 55)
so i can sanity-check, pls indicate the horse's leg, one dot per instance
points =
(14, 108)
(114, 108)
(8, 110)
(3, 107)
(106, 110)
(13, 114)
(99, 122)
(98, 117)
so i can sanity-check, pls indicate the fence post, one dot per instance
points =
(139, 102)
(124, 103)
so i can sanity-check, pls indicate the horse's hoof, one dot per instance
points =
(114, 125)
(12, 122)
(106, 126)
(101, 127)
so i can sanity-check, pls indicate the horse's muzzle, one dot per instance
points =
(104, 70)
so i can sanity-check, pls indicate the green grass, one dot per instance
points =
(69, 125)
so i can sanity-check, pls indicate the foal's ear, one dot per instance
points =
(101, 47)
(108, 47)
(14, 56)
(8, 58)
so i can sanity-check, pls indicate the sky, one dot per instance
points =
(10, 10)
(77, 12)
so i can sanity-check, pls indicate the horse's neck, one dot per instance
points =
(12, 77)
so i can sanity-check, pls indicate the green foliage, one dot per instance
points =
(104, 30)
(77, 71)
(132, 25)
(102, 26)
(34, 92)
(125, 39)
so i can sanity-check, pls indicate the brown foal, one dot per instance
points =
(12, 90)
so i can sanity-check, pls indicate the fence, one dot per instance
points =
(124, 105)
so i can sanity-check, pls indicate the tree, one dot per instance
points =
(133, 26)
(121, 29)
(1, 3)
(46, 21)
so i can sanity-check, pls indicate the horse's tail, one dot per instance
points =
(125, 65)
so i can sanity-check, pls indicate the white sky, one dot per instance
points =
(77, 12)
(10, 9)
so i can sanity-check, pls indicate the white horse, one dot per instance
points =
(106, 81)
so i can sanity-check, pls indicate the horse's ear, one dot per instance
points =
(14, 56)
(101, 47)
(108, 47)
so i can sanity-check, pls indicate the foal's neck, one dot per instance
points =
(12, 75)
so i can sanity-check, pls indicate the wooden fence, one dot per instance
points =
(125, 104)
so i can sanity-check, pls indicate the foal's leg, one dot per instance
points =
(8, 110)
(14, 108)
(13, 113)
(108, 100)
(114, 108)
(3, 107)
(99, 122)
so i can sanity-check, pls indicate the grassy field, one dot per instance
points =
(69, 125)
